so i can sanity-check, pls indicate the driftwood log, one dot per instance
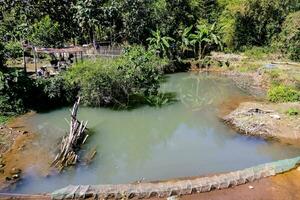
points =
(72, 142)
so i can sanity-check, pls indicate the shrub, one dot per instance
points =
(13, 49)
(2, 55)
(292, 112)
(257, 52)
(289, 38)
(120, 81)
(46, 33)
(253, 22)
(19, 93)
(3, 119)
(15, 92)
(283, 93)
(54, 92)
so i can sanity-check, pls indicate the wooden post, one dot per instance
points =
(76, 57)
(34, 56)
(81, 57)
(24, 61)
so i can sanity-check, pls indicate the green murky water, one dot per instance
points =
(185, 138)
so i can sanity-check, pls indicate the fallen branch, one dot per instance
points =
(72, 142)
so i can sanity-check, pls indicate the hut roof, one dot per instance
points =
(59, 50)
(72, 49)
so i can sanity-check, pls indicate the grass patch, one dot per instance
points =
(282, 93)
(258, 52)
(248, 67)
(4, 119)
(292, 112)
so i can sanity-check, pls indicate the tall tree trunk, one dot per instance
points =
(92, 38)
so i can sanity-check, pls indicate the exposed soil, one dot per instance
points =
(281, 187)
(20, 153)
(8, 136)
(266, 120)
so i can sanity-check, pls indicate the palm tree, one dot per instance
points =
(205, 37)
(159, 43)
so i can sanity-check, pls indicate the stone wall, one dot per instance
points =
(180, 187)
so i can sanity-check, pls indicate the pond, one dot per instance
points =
(185, 138)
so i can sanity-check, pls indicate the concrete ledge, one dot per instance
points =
(180, 187)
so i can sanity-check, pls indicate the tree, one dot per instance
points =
(136, 20)
(46, 33)
(87, 15)
(205, 39)
(159, 43)
(261, 21)
(289, 38)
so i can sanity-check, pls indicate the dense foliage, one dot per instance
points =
(238, 23)
(253, 22)
(289, 40)
(46, 33)
(118, 82)
(281, 93)
(15, 89)
(19, 93)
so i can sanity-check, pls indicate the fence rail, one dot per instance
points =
(103, 51)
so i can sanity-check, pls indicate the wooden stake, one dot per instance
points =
(35, 64)
(24, 61)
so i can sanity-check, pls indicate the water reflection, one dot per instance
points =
(181, 139)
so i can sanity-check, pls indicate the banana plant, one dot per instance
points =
(185, 42)
(159, 43)
(205, 37)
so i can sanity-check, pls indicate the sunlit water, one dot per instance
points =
(182, 139)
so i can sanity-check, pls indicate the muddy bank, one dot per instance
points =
(19, 153)
(266, 119)
(254, 83)
(8, 137)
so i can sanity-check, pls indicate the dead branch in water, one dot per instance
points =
(71, 143)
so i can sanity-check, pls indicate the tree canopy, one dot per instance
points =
(56, 23)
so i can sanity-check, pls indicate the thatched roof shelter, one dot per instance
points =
(38, 50)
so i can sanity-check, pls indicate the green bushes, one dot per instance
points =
(46, 33)
(257, 52)
(54, 92)
(13, 49)
(132, 78)
(281, 93)
(2, 55)
(15, 92)
(292, 112)
(19, 93)
(289, 38)
(118, 82)
(3, 119)
(253, 22)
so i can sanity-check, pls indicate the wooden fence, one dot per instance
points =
(103, 51)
